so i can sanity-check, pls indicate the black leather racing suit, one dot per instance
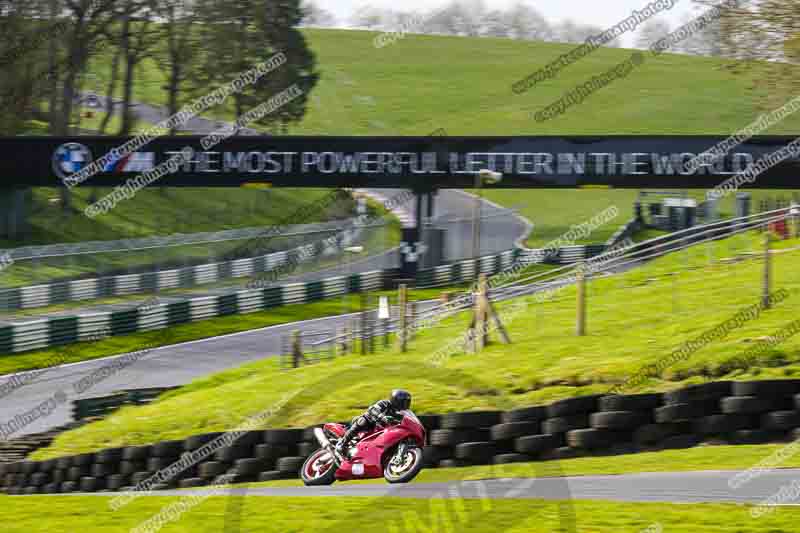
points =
(381, 412)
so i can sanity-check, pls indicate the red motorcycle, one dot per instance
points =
(393, 452)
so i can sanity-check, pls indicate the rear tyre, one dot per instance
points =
(319, 469)
(405, 470)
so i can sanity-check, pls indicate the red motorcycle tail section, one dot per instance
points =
(336, 429)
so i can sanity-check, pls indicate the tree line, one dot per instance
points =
(53, 51)
(472, 18)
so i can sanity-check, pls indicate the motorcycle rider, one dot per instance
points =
(382, 412)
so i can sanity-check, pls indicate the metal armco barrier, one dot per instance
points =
(34, 334)
(463, 271)
(734, 412)
(59, 292)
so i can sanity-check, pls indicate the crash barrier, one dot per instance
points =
(17, 449)
(717, 412)
(60, 292)
(40, 252)
(625, 232)
(39, 333)
(45, 332)
(104, 405)
(462, 271)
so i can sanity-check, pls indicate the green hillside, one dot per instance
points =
(463, 85)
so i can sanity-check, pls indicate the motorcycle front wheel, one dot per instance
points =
(319, 469)
(403, 469)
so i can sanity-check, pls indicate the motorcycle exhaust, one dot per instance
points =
(322, 439)
(325, 444)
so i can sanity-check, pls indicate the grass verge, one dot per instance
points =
(90, 514)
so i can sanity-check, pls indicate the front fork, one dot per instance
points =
(400, 454)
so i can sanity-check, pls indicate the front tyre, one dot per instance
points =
(319, 469)
(403, 469)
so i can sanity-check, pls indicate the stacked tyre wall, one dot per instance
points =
(716, 413)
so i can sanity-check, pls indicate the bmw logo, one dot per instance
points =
(70, 158)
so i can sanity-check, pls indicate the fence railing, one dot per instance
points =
(145, 243)
(34, 296)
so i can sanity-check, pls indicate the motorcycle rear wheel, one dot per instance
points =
(408, 470)
(318, 469)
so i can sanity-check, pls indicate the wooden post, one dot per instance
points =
(412, 328)
(403, 301)
(364, 332)
(767, 280)
(476, 224)
(498, 323)
(345, 340)
(481, 318)
(297, 349)
(372, 329)
(469, 341)
(580, 326)
(795, 211)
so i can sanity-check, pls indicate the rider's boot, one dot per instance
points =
(341, 448)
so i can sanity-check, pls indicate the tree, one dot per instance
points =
(705, 42)
(495, 24)
(368, 17)
(315, 16)
(760, 36)
(571, 32)
(84, 26)
(254, 31)
(278, 31)
(136, 41)
(179, 32)
(651, 31)
(524, 22)
(445, 21)
(470, 15)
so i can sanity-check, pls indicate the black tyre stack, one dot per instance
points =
(231, 459)
(281, 454)
(132, 467)
(565, 418)
(468, 435)
(432, 454)
(191, 477)
(613, 426)
(685, 410)
(516, 430)
(765, 411)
